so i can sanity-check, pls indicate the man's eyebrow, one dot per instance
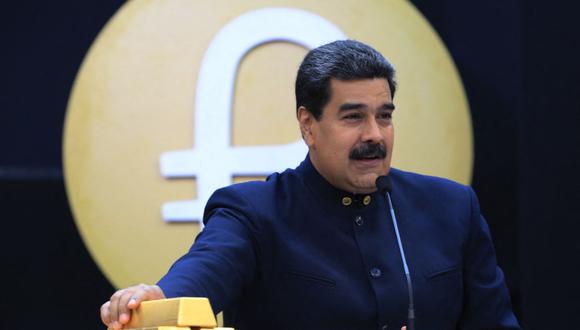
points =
(388, 106)
(356, 106)
(352, 106)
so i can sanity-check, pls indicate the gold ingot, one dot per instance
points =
(346, 201)
(367, 200)
(173, 313)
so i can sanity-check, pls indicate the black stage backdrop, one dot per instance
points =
(519, 65)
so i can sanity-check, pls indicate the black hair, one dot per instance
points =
(342, 60)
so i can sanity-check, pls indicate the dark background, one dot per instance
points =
(518, 61)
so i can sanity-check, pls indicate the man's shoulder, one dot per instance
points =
(256, 197)
(275, 186)
(415, 182)
(271, 183)
(440, 199)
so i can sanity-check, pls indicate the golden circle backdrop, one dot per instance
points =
(133, 99)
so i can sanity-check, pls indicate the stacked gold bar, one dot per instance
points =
(174, 314)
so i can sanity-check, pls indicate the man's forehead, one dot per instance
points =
(360, 88)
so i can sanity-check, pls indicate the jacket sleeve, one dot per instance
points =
(223, 258)
(486, 299)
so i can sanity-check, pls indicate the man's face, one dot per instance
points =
(352, 142)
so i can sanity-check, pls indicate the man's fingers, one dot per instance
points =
(117, 312)
(141, 294)
(144, 293)
(105, 313)
(132, 298)
(118, 305)
(123, 309)
(135, 301)
(113, 303)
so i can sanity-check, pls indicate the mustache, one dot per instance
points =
(368, 150)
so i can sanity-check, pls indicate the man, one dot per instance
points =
(317, 247)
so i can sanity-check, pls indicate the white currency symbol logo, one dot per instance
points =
(213, 162)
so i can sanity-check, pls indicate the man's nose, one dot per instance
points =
(371, 131)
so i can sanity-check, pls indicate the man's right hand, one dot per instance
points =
(116, 312)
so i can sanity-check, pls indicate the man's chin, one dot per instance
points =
(365, 184)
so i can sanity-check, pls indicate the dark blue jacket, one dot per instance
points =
(288, 254)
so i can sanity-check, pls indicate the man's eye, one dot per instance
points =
(386, 115)
(352, 116)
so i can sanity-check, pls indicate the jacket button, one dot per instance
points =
(359, 220)
(384, 327)
(375, 273)
(367, 200)
(346, 201)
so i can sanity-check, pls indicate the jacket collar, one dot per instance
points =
(329, 195)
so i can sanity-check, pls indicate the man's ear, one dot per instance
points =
(306, 120)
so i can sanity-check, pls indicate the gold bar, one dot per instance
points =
(175, 312)
(163, 328)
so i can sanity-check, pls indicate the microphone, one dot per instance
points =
(383, 183)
